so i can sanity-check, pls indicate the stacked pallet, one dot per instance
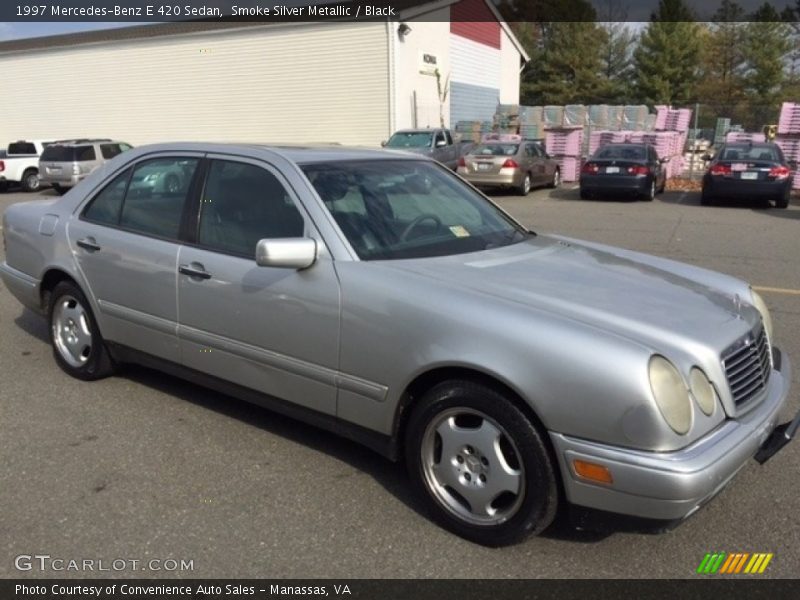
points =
(788, 137)
(633, 118)
(744, 137)
(531, 122)
(668, 144)
(693, 158)
(671, 119)
(473, 130)
(721, 130)
(789, 121)
(564, 144)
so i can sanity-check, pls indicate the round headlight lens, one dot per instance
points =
(759, 303)
(671, 394)
(703, 391)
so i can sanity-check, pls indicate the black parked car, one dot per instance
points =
(749, 171)
(623, 169)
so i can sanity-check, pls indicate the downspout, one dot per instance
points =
(390, 33)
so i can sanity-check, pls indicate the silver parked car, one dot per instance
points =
(66, 162)
(378, 295)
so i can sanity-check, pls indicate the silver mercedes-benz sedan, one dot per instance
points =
(380, 296)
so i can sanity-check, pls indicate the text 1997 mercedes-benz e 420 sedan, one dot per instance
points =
(380, 296)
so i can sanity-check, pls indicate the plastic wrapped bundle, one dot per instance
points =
(531, 114)
(662, 111)
(574, 115)
(597, 115)
(532, 131)
(553, 116)
(633, 117)
(599, 138)
(790, 146)
(508, 109)
(789, 121)
(650, 123)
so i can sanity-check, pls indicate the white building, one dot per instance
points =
(342, 81)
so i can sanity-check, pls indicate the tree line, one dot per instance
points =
(739, 65)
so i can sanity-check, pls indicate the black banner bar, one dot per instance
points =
(750, 587)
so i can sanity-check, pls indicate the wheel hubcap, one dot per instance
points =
(33, 182)
(472, 467)
(71, 333)
(556, 179)
(526, 185)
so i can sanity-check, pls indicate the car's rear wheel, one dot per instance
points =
(705, 198)
(78, 347)
(585, 195)
(30, 180)
(525, 187)
(59, 190)
(650, 194)
(480, 465)
(556, 179)
(782, 201)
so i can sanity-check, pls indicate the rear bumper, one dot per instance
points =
(723, 187)
(61, 180)
(630, 184)
(506, 177)
(669, 486)
(22, 286)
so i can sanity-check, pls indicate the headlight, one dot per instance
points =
(703, 391)
(759, 303)
(671, 394)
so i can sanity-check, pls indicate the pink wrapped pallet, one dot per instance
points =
(789, 121)
(744, 137)
(564, 142)
(570, 167)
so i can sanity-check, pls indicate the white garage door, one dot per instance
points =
(302, 83)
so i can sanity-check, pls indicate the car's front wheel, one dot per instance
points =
(480, 465)
(78, 347)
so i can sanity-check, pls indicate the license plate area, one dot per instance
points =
(751, 175)
(484, 166)
(612, 170)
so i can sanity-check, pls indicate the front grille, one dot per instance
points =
(747, 366)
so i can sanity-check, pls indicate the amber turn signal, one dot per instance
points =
(592, 472)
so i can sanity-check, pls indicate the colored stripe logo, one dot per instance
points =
(734, 563)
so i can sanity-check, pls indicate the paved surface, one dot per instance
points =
(146, 466)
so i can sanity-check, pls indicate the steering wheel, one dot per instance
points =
(420, 219)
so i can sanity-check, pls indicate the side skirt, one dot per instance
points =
(382, 444)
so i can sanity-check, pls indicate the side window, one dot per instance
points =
(109, 151)
(530, 150)
(85, 153)
(439, 137)
(105, 207)
(124, 147)
(243, 204)
(449, 138)
(156, 195)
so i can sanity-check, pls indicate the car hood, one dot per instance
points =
(646, 303)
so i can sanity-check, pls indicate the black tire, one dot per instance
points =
(3, 187)
(94, 363)
(556, 179)
(524, 188)
(782, 201)
(650, 194)
(60, 190)
(30, 180)
(524, 454)
(705, 198)
(585, 195)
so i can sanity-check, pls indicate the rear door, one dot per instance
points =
(126, 244)
(269, 329)
(535, 163)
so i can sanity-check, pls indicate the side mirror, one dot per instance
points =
(286, 253)
(441, 143)
(383, 143)
(664, 160)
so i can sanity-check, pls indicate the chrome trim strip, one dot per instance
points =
(137, 317)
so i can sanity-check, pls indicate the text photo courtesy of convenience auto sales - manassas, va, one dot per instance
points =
(375, 299)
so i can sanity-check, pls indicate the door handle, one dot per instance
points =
(88, 244)
(196, 273)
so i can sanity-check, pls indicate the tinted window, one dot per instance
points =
(449, 138)
(243, 204)
(106, 205)
(391, 209)
(747, 153)
(496, 150)
(21, 148)
(85, 153)
(156, 194)
(623, 152)
(109, 151)
(56, 153)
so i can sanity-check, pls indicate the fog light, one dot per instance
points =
(592, 471)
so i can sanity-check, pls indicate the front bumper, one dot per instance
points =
(670, 486)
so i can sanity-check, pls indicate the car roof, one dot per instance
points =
(84, 141)
(299, 154)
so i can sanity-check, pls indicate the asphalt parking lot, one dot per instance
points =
(145, 466)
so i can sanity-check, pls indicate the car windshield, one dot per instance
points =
(410, 139)
(748, 153)
(623, 152)
(496, 150)
(393, 209)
